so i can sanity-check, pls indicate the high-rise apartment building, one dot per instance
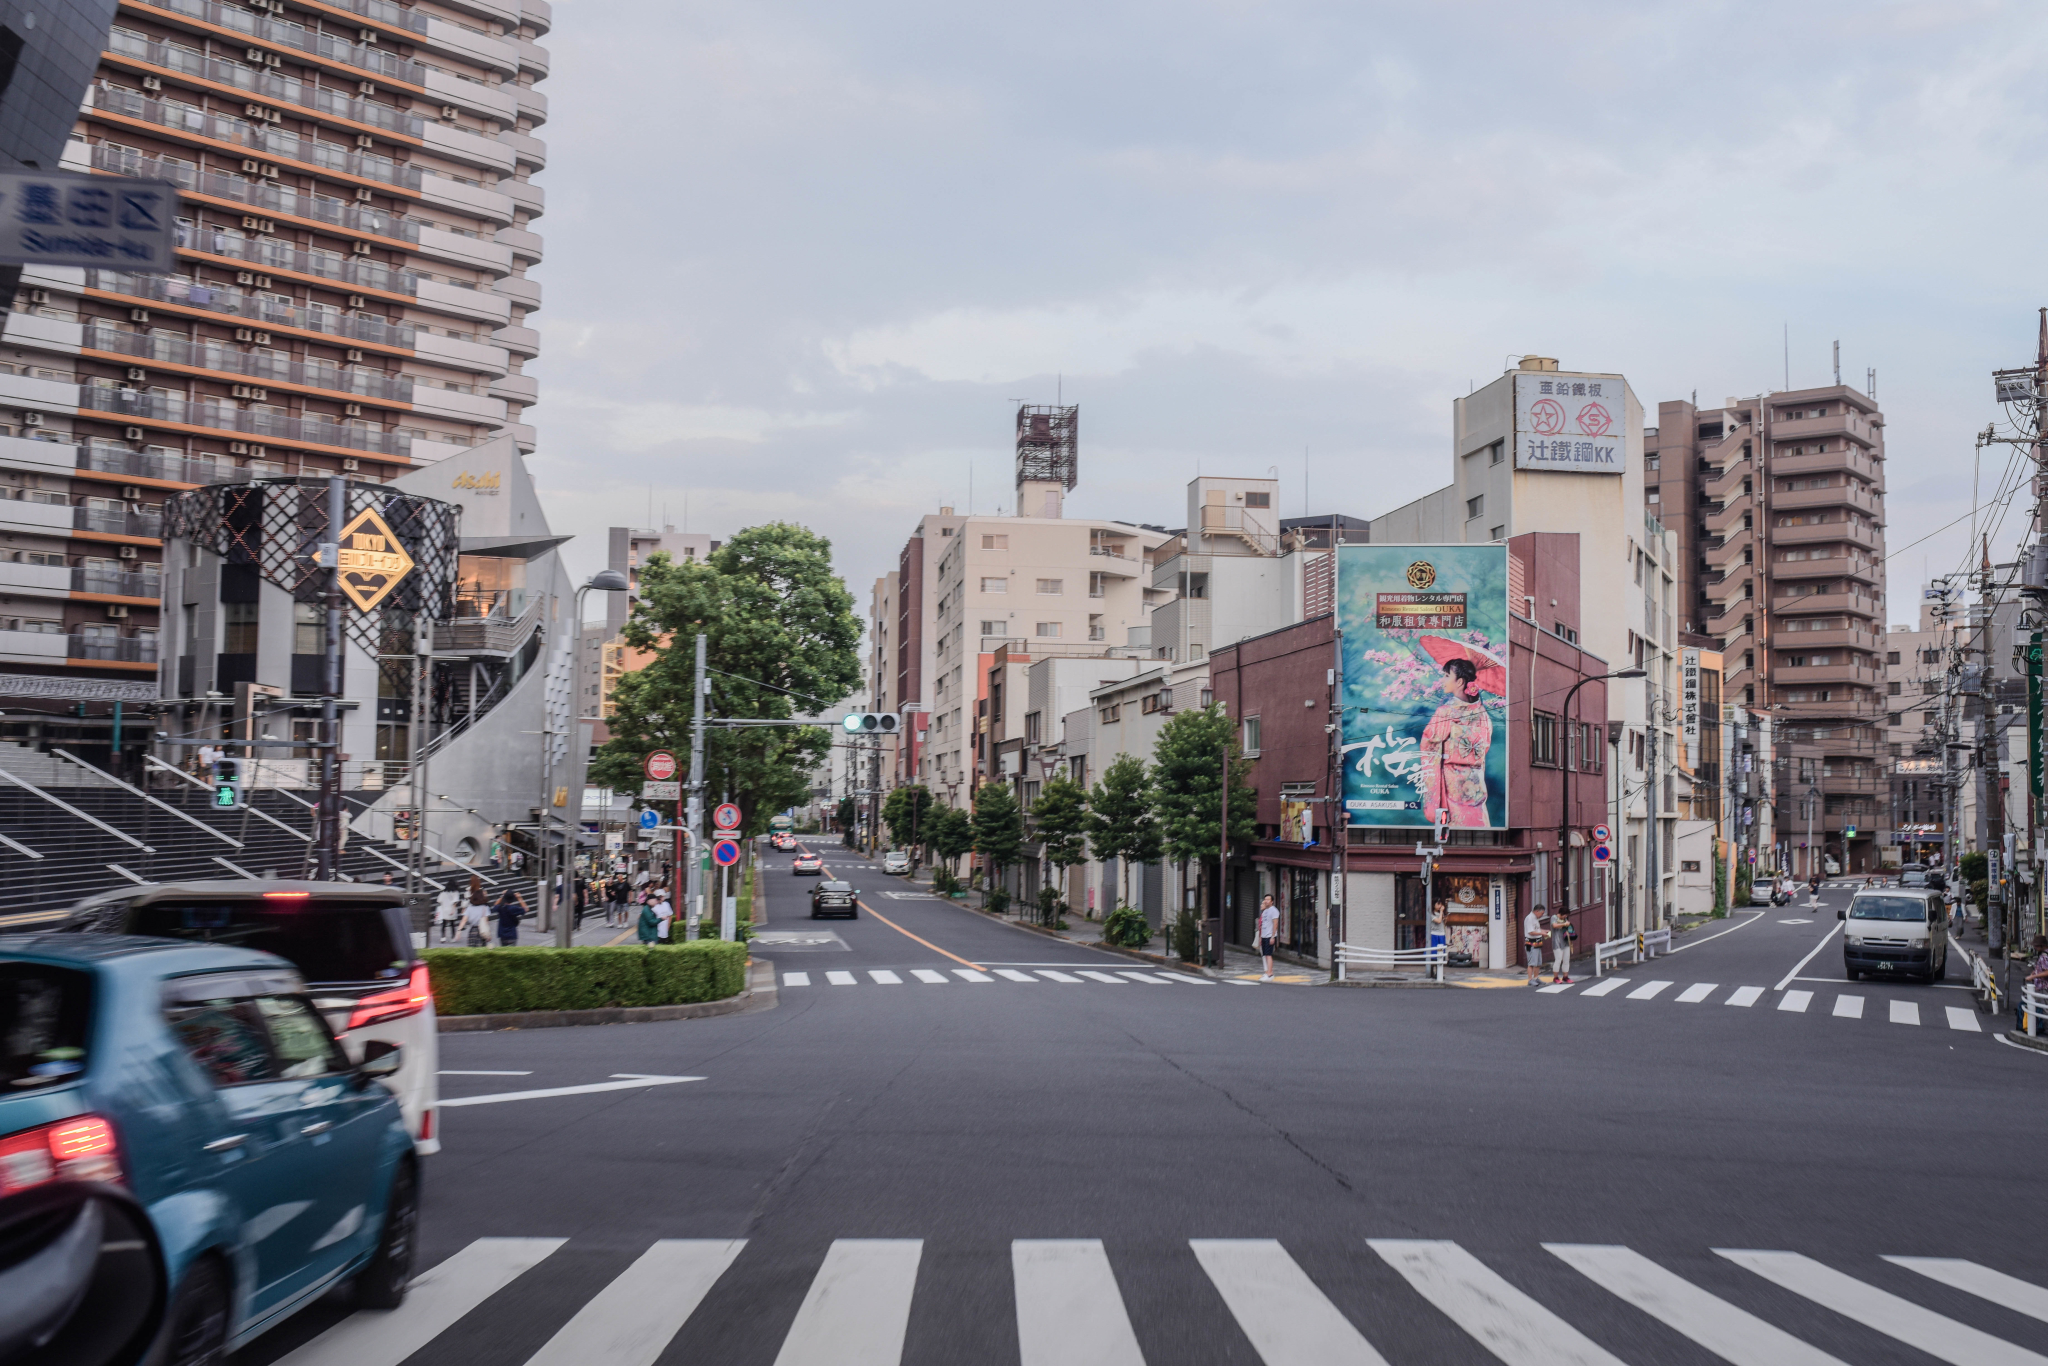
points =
(352, 293)
(1778, 504)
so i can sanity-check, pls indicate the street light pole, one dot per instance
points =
(604, 581)
(1564, 815)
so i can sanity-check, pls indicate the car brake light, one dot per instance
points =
(396, 1003)
(287, 896)
(426, 1124)
(82, 1148)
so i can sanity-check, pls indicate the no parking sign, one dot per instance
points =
(725, 853)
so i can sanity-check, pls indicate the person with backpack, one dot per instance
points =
(511, 906)
(1532, 944)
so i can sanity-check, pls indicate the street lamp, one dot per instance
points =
(603, 581)
(1564, 815)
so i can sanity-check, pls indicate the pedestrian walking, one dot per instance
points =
(475, 917)
(1560, 947)
(1532, 944)
(665, 914)
(448, 904)
(511, 906)
(650, 927)
(1269, 931)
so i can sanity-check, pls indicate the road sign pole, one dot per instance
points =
(693, 906)
(328, 850)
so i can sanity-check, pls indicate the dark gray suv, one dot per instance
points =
(834, 898)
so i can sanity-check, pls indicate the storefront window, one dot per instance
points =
(490, 585)
(1462, 898)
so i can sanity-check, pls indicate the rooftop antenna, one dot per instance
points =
(1838, 364)
(1870, 382)
(1304, 478)
(1788, 355)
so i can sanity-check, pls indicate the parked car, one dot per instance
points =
(203, 1080)
(1763, 891)
(352, 943)
(1899, 932)
(896, 861)
(807, 864)
(835, 898)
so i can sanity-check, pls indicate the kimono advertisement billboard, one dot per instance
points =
(1425, 684)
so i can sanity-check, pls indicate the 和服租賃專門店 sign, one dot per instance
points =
(369, 560)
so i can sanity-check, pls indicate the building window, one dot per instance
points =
(1209, 697)
(1496, 453)
(1110, 713)
(995, 585)
(1499, 533)
(1031, 727)
(1049, 630)
(995, 628)
(1251, 735)
(239, 635)
(309, 629)
(1052, 588)
(1000, 541)
(1543, 739)
(1691, 865)
(1475, 507)
(1258, 500)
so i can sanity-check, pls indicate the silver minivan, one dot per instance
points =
(1895, 932)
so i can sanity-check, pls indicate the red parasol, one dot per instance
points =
(1493, 675)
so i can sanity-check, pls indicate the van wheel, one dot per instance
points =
(196, 1328)
(382, 1283)
(1852, 973)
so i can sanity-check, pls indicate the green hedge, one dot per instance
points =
(502, 981)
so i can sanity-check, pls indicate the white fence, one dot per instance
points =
(1430, 960)
(1985, 984)
(2033, 1006)
(1639, 946)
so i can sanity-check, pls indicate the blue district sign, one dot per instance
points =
(648, 819)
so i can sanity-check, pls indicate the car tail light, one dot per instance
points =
(286, 896)
(426, 1124)
(82, 1148)
(396, 1003)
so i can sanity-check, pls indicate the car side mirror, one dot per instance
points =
(1841, 915)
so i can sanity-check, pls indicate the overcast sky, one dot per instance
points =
(803, 258)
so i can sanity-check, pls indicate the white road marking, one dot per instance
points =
(1147, 978)
(1069, 1311)
(2020, 1296)
(1190, 980)
(796, 979)
(1605, 985)
(1507, 1322)
(970, 975)
(1798, 922)
(1849, 1007)
(1552, 991)
(937, 979)
(1697, 992)
(1905, 1012)
(1809, 957)
(1965, 1020)
(456, 1072)
(438, 1297)
(1647, 991)
(1730, 1333)
(1935, 1334)
(1014, 975)
(1057, 976)
(884, 977)
(628, 1081)
(1288, 1320)
(858, 1306)
(1101, 977)
(1796, 1001)
(1745, 996)
(841, 979)
(630, 1321)
(1691, 943)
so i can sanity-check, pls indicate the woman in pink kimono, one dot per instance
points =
(1452, 770)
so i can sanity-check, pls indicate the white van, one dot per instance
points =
(1895, 932)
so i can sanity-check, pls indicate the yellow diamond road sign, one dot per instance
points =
(370, 560)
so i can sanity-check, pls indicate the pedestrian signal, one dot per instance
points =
(227, 784)
(872, 723)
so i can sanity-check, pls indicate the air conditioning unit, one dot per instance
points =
(131, 492)
(353, 354)
(352, 409)
(366, 87)
(255, 224)
(362, 248)
(350, 464)
(31, 419)
(117, 610)
(139, 315)
(131, 433)
(365, 140)
(362, 195)
(238, 448)
(355, 301)
(128, 552)
(449, 111)
(367, 35)
(136, 372)
(250, 164)
(152, 83)
(39, 296)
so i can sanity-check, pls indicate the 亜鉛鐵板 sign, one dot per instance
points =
(1572, 424)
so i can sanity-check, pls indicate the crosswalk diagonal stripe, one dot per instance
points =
(1287, 1319)
(1795, 1001)
(796, 979)
(1697, 992)
(1647, 991)
(1014, 975)
(929, 976)
(1849, 1007)
(1504, 1320)
(1745, 996)
(1935, 1334)
(437, 1299)
(1730, 1333)
(972, 975)
(1964, 1019)
(1057, 976)
(630, 1321)
(841, 979)
(1185, 977)
(1553, 990)
(858, 1306)
(2021, 1296)
(884, 977)
(1604, 986)
(1095, 976)
(1069, 1311)
(1905, 1012)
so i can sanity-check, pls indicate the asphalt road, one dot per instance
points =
(957, 1170)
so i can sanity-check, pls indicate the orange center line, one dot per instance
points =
(908, 935)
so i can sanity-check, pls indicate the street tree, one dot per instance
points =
(907, 813)
(782, 640)
(998, 835)
(1188, 762)
(951, 835)
(1121, 825)
(1060, 820)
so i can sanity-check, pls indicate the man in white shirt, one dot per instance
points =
(1532, 943)
(1269, 930)
(664, 913)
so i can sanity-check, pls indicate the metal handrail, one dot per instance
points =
(69, 809)
(254, 811)
(1431, 960)
(166, 806)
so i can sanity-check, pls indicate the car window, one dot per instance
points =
(45, 1014)
(328, 941)
(226, 1038)
(1888, 908)
(299, 1038)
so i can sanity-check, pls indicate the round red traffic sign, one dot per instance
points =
(1600, 833)
(725, 853)
(726, 817)
(1602, 854)
(660, 766)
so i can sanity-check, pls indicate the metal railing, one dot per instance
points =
(257, 194)
(117, 582)
(384, 12)
(268, 252)
(2033, 1004)
(103, 396)
(271, 85)
(262, 366)
(363, 57)
(1642, 945)
(98, 455)
(1239, 522)
(257, 137)
(85, 517)
(1431, 960)
(256, 308)
(116, 649)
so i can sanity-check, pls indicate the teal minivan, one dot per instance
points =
(202, 1080)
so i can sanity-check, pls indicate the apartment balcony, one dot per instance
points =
(1725, 485)
(102, 457)
(529, 151)
(482, 356)
(27, 514)
(526, 246)
(532, 104)
(33, 647)
(1833, 567)
(1842, 420)
(1728, 518)
(253, 308)
(520, 290)
(384, 12)
(485, 101)
(269, 253)
(1845, 704)
(521, 341)
(272, 86)
(1808, 604)
(1829, 462)
(1827, 533)
(132, 586)
(526, 195)
(109, 649)
(1825, 640)
(257, 194)
(116, 522)
(1728, 555)
(221, 358)
(312, 429)
(522, 389)
(539, 15)
(35, 580)
(260, 138)
(1102, 560)
(1798, 676)
(1852, 494)
(466, 196)
(472, 149)
(469, 45)
(533, 58)
(324, 47)
(464, 248)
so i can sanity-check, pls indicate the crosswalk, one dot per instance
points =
(889, 977)
(1070, 1307)
(1794, 1001)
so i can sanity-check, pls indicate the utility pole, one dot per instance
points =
(328, 855)
(687, 841)
(421, 733)
(1653, 888)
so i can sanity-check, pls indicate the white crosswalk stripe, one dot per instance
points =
(937, 979)
(796, 979)
(1905, 1012)
(1845, 1006)
(1935, 1334)
(971, 975)
(1057, 976)
(1147, 978)
(1966, 1020)
(841, 979)
(1849, 1007)
(1796, 1001)
(1605, 985)
(1745, 996)
(885, 977)
(1070, 1306)
(1014, 975)
(1647, 991)
(1697, 992)
(1094, 976)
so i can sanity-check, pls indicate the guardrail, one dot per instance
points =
(2033, 1004)
(1985, 984)
(1430, 960)
(1641, 945)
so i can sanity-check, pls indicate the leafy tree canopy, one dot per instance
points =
(998, 825)
(908, 812)
(952, 833)
(1187, 783)
(1060, 819)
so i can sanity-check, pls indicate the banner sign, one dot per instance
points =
(1570, 423)
(1425, 684)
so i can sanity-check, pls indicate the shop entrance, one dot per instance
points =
(1463, 900)
(1411, 912)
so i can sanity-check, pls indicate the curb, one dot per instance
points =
(1394, 983)
(759, 995)
(2038, 1044)
(1156, 959)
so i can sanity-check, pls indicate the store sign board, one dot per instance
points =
(370, 561)
(1570, 424)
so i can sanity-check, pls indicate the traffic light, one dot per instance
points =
(1849, 833)
(227, 784)
(872, 723)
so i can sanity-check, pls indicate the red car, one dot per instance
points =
(807, 863)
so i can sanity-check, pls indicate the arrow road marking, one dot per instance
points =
(628, 1081)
